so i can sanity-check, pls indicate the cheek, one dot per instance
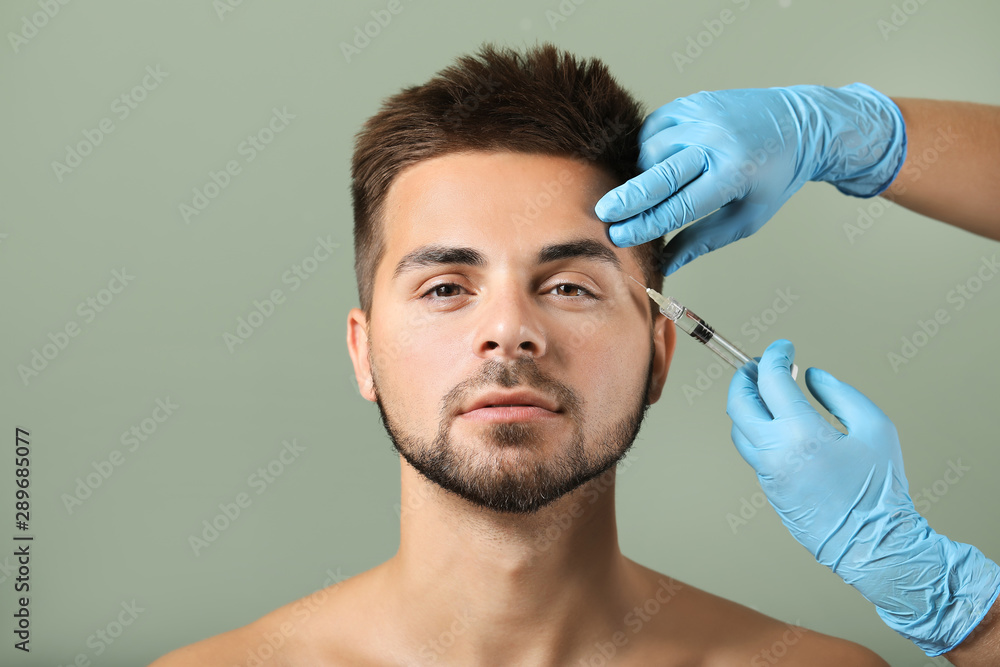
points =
(612, 367)
(412, 355)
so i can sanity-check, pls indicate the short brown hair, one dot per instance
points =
(544, 101)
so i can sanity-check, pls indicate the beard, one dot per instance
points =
(506, 475)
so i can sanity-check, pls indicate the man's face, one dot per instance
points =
(498, 278)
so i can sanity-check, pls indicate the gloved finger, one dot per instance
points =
(745, 447)
(673, 140)
(718, 229)
(745, 406)
(774, 379)
(664, 117)
(850, 406)
(695, 200)
(652, 186)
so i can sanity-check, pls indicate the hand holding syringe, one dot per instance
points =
(700, 330)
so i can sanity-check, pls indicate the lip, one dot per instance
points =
(509, 413)
(521, 398)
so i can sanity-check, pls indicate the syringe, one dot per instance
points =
(700, 330)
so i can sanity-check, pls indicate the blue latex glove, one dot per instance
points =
(845, 498)
(748, 151)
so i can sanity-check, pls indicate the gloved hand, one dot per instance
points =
(845, 498)
(747, 151)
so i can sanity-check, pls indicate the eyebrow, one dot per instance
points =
(436, 255)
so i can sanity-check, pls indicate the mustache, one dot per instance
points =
(522, 372)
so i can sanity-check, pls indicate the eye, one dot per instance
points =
(572, 287)
(434, 293)
(438, 287)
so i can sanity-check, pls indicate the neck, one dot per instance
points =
(555, 579)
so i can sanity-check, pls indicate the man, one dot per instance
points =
(512, 361)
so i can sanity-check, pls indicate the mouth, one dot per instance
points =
(518, 405)
(506, 413)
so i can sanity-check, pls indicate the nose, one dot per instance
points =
(509, 326)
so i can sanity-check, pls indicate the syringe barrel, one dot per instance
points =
(701, 331)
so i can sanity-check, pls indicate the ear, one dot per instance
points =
(664, 337)
(357, 347)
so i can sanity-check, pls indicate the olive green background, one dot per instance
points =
(332, 512)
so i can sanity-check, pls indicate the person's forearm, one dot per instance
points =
(952, 167)
(982, 647)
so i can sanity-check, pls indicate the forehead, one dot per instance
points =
(503, 203)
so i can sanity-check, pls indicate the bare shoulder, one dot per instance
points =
(222, 649)
(301, 632)
(770, 641)
(261, 642)
(723, 632)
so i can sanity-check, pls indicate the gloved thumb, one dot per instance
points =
(850, 406)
